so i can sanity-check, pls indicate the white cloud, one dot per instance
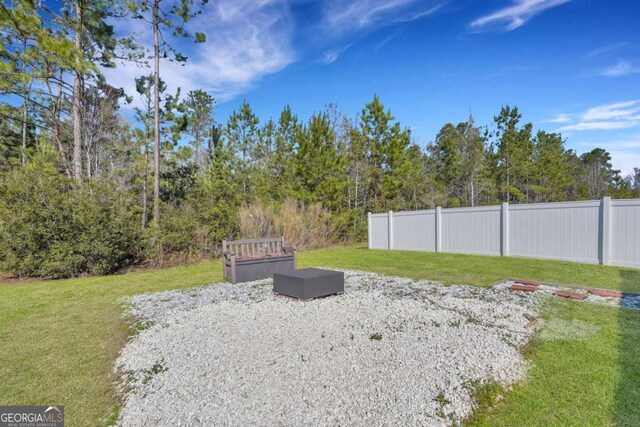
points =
(560, 118)
(605, 50)
(382, 43)
(246, 40)
(615, 111)
(333, 54)
(514, 16)
(343, 21)
(599, 125)
(249, 39)
(622, 68)
(619, 115)
(342, 17)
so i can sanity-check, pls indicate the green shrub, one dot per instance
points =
(178, 238)
(51, 226)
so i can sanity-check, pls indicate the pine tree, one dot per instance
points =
(446, 153)
(95, 44)
(417, 185)
(386, 145)
(105, 139)
(36, 55)
(514, 154)
(173, 17)
(634, 182)
(598, 177)
(283, 153)
(199, 112)
(318, 165)
(263, 177)
(552, 168)
(241, 132)
(216, 194)
(144, 136)
(171, 121)
(474, 158)
(357, 168)
(12, 152)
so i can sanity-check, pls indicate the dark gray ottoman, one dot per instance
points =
(309, 283)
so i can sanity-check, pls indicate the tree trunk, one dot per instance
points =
(55, 121)
(473, 193)
(88, 157)
(244, 172)
(508, 173)
(25, 107)
(77, 103)
(199, 155)
(355, 197)
(156, 116)
(145, 185)
(24, 129)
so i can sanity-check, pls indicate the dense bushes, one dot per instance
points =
(194, 225)
(51, 226)
(178, 239)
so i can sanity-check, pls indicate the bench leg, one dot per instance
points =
(233, 271)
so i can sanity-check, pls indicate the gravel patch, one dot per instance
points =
(389, 351)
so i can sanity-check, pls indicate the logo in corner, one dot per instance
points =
(31, 416)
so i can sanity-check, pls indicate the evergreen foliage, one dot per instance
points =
(51, 227)
(80, 183)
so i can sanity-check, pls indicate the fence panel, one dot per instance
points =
(471, 230)
(566, 231)
(595, 231)
(414, 231)
(625, 233)
(379, 232)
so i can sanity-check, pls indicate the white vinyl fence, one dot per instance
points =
(595, 231)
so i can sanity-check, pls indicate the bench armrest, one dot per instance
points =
(228, 255)
(289, 250)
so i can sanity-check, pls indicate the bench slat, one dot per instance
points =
(247, 241)
(254, 247)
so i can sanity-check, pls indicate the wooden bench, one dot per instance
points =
(253, 259)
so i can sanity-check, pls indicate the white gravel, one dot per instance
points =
(239, 355)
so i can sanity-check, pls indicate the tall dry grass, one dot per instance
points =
(304, 226)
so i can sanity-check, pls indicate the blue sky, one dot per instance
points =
(569, 65)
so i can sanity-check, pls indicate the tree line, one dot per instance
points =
(86, 190)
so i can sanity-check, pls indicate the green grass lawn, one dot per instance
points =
(576, 380)
(59, 339)
(477, 270)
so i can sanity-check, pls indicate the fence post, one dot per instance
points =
(390, 225)
(438, 229)
(504, 232)
(369, 228)
(605, 227)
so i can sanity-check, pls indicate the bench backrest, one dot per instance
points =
(254, 247)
